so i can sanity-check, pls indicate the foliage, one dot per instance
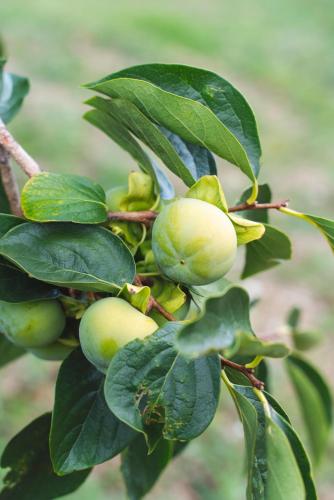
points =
(160, 391)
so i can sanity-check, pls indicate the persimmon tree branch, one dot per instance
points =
(148, 216)
(9, 183)
(248, 372)
(22, 158)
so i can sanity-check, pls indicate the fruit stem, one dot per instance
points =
(248, 372)
(148, 216)
(154, 304)
(22, 158)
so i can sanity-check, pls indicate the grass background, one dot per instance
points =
(279, 54)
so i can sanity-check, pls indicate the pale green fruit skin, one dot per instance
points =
(193, 242)
(109, 324)
(32, 324)
(114, 197)
(52, 352)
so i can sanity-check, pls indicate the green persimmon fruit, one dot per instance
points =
(109, 324)
(52, 352)
(193, 242)
(114, 197)
(32, 324)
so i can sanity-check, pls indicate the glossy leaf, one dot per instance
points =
(199, 106)
(167, 389)
(120, 134)
(8, 351)
(31, 474)
(84, 432)
(13, 89)
(315, 402)
(266, 252)
(16, 286)
(220, 321)
(141, 470)
(208, 188)
(51, 197)
(278, 467)
(65, 254)
(147, 132)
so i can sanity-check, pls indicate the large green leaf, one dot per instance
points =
(7, 222)
(51, 197)
(246, 344)
(315, 402)
(13, 90)
(174, 155)
(70, 255)
(199, 106)
(16, 286)
(150, 382)
(221, 318)
(278, 467)
(141, 469)
(31, 475)
(267, 252)
(84, 432)
(8, 351)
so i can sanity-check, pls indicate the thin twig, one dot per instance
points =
(248, 372)
(9, 183)
(154, 304)
(22, 158)
(258, 206)
(148, 216)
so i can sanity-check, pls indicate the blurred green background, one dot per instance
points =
(279, 54)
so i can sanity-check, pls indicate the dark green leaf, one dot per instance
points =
(4, 203)
(120, 134)
(278, 467)
(70, 255)
(140, 469)
(31, 475)
(84, 432)
(8, 351)
(16, 286)
(13, 90)
(166, 388)
(293, 318)
(218, 324)
(199, 106)
(51, 197)
(315, 402)
(7, 222)
(266, 252)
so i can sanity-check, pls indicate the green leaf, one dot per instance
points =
(266, 252)
(197, 105)
(247, 230)
(140, 195)
(208, 188)
(7, 222)
(120, 134)
(325, 226)
(315, 402)
(16, 286)
(141, 470)
(147, 132)
(167, 389)
(168, 294)
(84, 432)
(51, 197)
(216, 328)
(293, 318)
(13, 90)
(264, 196)
(31, 475)
(278, 467)
(137, 296)
(70, 255)
(8, 351)
(4, 203)
(246, 344)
